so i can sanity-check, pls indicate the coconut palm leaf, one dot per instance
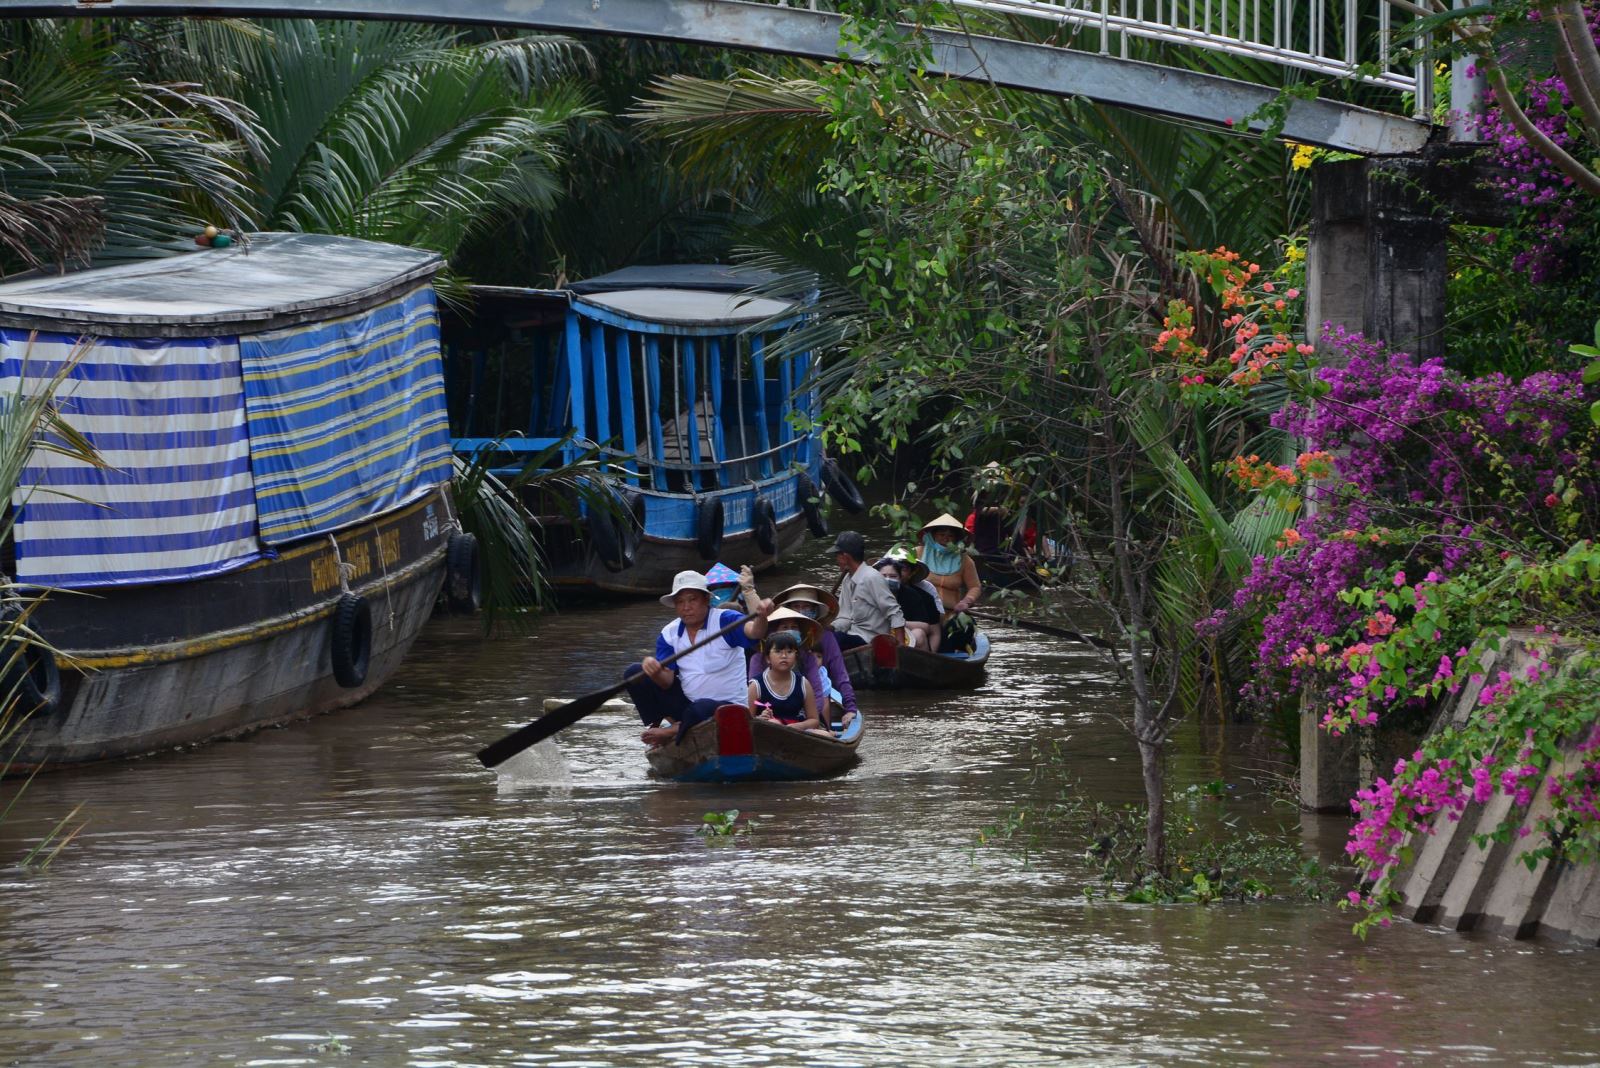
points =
(492, 510)
(401, 132)
(95, 156)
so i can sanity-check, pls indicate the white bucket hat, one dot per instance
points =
(685, 580)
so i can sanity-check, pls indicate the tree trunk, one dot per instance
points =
(1152, 762)
(1146, 730)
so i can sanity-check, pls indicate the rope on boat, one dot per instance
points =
(346, 571)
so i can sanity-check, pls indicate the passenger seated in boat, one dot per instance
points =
(991, 528)
(723, 582)
(820, 651)
(694, 686)
(956, 576)
(778, 692)
(867, 607)
(920, 606)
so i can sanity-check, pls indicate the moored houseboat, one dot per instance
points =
(678, 377)
(269, 525)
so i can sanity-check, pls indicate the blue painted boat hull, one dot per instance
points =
(734, 746)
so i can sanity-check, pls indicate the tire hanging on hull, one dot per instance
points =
(28, 672)
(764, 525)
(708, 528)
(463, 582)
(351, 640)
(615, 536)
(842, 488)
(811, 505)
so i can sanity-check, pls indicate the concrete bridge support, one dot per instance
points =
(1377, 264)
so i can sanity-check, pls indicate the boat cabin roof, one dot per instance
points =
(683, 308)
(705, 299)
(275, 280)
(712, 277)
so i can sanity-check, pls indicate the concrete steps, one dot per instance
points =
(1454, 883)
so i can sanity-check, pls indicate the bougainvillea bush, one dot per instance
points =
(1435, 512)
(1519, 295)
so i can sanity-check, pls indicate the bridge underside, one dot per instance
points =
(815, 35)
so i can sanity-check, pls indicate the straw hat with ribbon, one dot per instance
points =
(788, 619)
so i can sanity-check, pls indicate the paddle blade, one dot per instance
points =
(543, 727)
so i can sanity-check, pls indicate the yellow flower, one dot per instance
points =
(1303, 156)
(1294, 253)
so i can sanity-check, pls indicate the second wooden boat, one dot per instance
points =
(734, 746)
(885, 664)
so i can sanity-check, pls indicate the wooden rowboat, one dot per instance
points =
(885, 664)
(734, 746)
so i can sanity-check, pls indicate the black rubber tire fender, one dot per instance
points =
(463, 574)
(842, 488)
(351, 640)
(708, 528)
(32, 676)
(607, 539)
(632, 532)
(764, 525)
(810, 500)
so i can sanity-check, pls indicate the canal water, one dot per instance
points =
(358, 890)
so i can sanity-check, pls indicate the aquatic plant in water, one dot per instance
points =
(725, 826)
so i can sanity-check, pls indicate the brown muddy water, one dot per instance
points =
(357, 890)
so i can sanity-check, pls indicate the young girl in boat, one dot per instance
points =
(821, 661)
(779, 692)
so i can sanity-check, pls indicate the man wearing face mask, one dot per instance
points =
(906, 580)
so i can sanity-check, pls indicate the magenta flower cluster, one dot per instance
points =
(1530, 181)
(1429, 784)
(1433, 471)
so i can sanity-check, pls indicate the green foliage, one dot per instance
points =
(334, 1044)
(102, 156)
(415, 134)
(1591, 373)
(1498, 318)
(719, 827)
(493, 511)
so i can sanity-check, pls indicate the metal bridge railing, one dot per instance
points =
(1338, 38)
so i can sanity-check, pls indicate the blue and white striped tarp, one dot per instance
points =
(175, 500)
(347, 417)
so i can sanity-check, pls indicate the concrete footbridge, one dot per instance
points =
(1097, 40)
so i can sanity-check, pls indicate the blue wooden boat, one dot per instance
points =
(734, 746)
(676, 376)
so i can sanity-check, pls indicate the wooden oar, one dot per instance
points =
(499, 752)
(1045, 628)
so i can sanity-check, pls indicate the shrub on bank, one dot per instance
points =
(1445, 510)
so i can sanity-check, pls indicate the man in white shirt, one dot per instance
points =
(867, 607)
(692, 687)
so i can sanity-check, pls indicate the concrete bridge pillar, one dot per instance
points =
(1377, 263)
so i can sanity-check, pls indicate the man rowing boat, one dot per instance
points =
(692, 689)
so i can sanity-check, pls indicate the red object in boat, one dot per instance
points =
(733, 731)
